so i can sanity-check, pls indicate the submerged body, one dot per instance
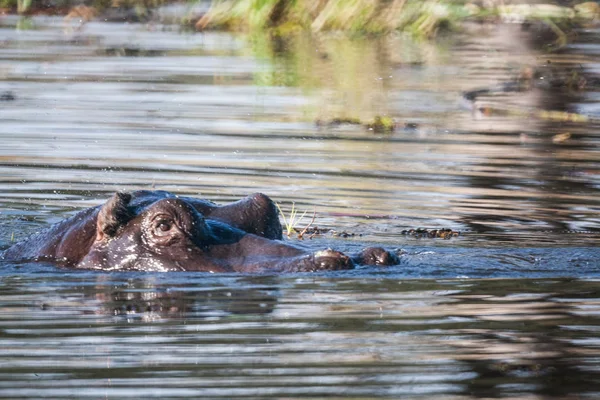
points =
(158, 231)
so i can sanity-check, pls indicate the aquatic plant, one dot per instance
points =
(381, 124)
(253, 14)
(20, 6)
(291, 222)
(421, 18)
(23, 6)
(359, 16)
(418, 17)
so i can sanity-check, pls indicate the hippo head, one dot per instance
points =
(166, 235)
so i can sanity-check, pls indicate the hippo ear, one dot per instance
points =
(113, 214)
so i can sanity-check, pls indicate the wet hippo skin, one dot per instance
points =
(158, 231)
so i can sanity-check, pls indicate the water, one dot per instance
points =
(507, 309)
(191, 335)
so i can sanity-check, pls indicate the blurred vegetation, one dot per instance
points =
(64, 6)
(422, 18)
(351, 75)
(354, 16)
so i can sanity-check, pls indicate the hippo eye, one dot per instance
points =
(162, 227)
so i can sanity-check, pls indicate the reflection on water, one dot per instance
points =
(186, 335)
(129, 106)
(218, 116)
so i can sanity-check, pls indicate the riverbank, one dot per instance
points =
(422, 19)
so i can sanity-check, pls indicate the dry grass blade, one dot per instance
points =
(301, 234)
(291, 221)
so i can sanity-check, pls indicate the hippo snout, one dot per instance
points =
(328, 260)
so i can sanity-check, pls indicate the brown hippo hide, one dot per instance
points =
(158, 231)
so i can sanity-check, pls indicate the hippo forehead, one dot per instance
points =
(179, 209)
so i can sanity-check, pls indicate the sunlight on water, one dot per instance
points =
(224, 336)
(195, 113)
(113, 107)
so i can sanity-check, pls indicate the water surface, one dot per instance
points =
(507, 309)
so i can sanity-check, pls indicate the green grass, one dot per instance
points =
(421, 18)
(291, 221)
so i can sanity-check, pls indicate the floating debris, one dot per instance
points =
(7, 96)
(345, 234)
(381, 124)
(337, 122)
(443, 233)
(561, 138)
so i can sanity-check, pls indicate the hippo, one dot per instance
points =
(159, 231)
